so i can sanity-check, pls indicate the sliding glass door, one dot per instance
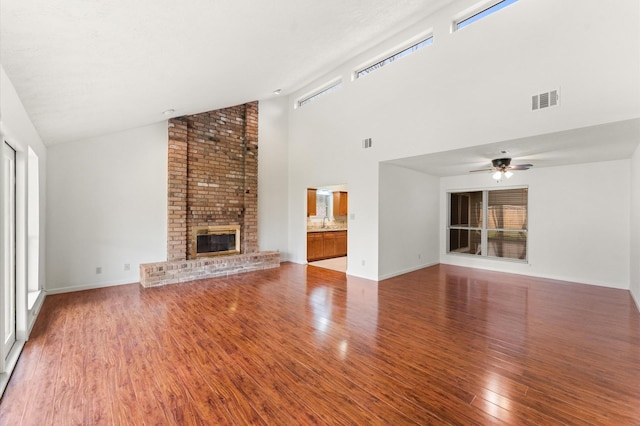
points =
(8, 291)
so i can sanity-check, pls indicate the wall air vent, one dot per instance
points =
(545, 100)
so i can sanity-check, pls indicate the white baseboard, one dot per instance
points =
(87, 287)
(364, 277)
(507, 267)
(406, 271)
(636, 300)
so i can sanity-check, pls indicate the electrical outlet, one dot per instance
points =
(363, 262)
(419, 255)
(127, 266)
(99, 270)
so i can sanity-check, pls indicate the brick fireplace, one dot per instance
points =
(212, 182)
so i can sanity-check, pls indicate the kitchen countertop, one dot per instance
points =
(325, 230)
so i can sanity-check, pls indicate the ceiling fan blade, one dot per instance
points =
(521, 167)
(481, 170)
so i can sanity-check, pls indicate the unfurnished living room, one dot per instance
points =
(338, 212)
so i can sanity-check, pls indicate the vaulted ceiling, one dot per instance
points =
(86, 68)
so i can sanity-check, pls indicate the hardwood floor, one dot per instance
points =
(305, 345)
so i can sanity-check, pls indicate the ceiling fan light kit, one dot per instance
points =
(502, 168)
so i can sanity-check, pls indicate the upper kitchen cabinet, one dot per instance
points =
(340, 202)
(311, 202)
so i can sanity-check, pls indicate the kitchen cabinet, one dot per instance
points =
(341, 243)
(329, 244)
(326, 245)
(311, 202)
(340, 203)
(315, 246)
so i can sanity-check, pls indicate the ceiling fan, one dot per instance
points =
(502, 167)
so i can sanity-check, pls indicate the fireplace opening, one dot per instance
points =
(215, 240)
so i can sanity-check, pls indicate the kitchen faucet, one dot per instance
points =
(323, 221)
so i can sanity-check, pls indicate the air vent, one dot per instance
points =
(545, 100)
(366, 143)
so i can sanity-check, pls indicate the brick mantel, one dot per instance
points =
(177, 191)
(213, 176)
(212, 181)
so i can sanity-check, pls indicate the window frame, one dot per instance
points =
(327, 88)
(484, 228)
(479, 12)
(405, 49)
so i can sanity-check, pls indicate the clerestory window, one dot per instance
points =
(401, 54)
(477, 15)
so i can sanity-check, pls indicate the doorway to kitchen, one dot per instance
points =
(327, 226)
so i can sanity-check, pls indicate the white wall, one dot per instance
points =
(273, 177)
(409, 215)
(469, 88)
(107, 206)
(579, 222)
(635, 227)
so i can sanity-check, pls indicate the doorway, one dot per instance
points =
(8, 291)
(327, 227)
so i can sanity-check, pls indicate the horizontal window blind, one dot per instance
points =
(492, 223)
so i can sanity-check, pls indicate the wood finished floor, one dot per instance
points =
(305, 345)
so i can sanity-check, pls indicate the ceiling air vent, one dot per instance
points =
(545, 100)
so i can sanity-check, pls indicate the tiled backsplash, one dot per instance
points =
(339, 223)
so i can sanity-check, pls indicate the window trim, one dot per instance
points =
(467, 16)
(484, 228)
(423, 37)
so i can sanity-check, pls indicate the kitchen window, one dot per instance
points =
(489, 223)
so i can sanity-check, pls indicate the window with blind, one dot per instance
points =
(491, 223)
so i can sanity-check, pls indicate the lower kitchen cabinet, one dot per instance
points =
(341, 243)
(315, 246)
(326, 245)
(329, 244)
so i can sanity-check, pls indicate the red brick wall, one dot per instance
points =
(213, 176)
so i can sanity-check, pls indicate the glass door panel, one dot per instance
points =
(9, 273)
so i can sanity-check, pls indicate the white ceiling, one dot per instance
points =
(86, 68)
(605, 142)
